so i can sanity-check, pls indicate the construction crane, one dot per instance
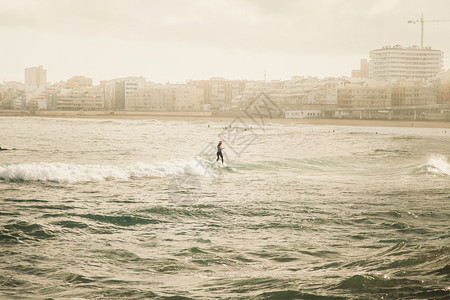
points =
(421, 20)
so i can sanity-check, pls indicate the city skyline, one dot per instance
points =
(173, 41)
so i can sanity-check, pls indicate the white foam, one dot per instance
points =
(438, 164)
(66, 172)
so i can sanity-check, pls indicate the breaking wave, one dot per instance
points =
(438, 165)
(66, 172)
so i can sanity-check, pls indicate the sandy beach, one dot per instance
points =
(226, 118)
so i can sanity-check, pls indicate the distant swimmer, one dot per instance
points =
(219, 151)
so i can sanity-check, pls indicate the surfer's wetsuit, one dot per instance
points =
(219, 152)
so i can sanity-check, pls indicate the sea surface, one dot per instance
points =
(135, 209)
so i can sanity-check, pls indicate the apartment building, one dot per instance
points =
(79, 94)
(131, 85)
(445, 93)
(116, 92)
(48, 98)
(152, 98)
(233, 88)
(219, 92)
(189, 98)
(415, 93)
(69, 99)
(405, 63)
(368, 95)
(217, 87)
(35, 78)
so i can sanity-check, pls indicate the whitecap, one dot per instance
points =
(68, 172)
(438, 164)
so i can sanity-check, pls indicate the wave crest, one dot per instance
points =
(438, 165)
(66, 172)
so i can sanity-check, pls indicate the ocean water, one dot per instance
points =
(134, 209)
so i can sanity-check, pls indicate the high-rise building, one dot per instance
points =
(363, 70)
(405, 63)
(35, 77)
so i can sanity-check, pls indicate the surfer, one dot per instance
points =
(219, 151)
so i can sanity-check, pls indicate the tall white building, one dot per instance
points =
(405, 63)
(118, 91)
(35, 78)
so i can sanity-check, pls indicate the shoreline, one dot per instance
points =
(206, 116)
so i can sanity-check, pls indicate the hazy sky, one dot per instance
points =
(174, 40)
